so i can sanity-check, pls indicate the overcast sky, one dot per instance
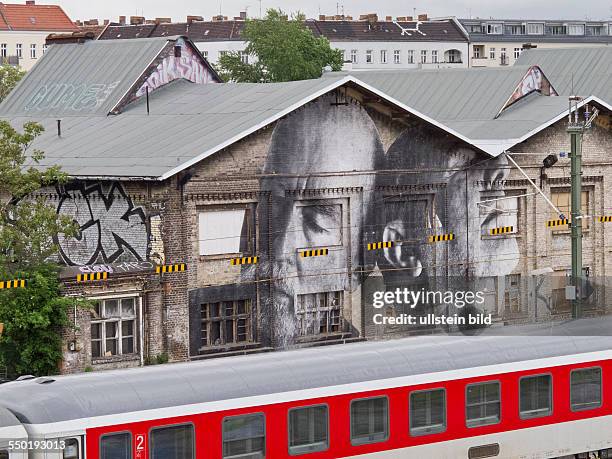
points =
(179, 9)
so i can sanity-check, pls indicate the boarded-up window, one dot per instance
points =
(224, 231)
(562, 199)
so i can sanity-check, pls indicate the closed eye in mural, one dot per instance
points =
(111, 227)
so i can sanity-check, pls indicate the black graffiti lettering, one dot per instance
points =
(110, 225)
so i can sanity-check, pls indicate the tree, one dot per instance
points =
(284, 50)
(34, 316)
(9, 77)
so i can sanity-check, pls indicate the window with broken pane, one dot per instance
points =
(226, 322)
(113, 327)
(319, 313)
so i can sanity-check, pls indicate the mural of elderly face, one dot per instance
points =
(448, 182)
(319, 170)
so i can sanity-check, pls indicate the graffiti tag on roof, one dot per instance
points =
(67, 96)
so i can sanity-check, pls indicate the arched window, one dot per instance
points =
(452, 56)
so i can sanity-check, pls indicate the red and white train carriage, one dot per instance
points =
(425, 397)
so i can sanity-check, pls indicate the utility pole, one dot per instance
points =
(575, 129)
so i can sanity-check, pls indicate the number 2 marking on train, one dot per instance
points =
(140, 446)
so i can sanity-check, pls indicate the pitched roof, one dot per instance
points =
(587, 70)
(449, 94)
(34, 17)
(109, 68)
(107, 71)
(200, 31)
(443, 30)
(188, 122)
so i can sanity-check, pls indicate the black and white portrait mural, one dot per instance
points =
(328, 182)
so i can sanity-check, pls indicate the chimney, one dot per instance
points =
(121, 20)
(243, 15)
(422, 17)
(192, 18)
(137, 20)
(92, 22)
(74, 37)
(163, 20)
(30, 2)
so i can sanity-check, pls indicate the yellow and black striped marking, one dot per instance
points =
(314, 253)
(605, 219)
(244, 261)
(380, 245)
(441, 238)
(89, 277)
(501, 230)
(14, 283)
(175, 268)
(559, 222)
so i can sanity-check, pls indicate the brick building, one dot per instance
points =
(269, 194)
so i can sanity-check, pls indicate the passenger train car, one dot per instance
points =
(422, 397)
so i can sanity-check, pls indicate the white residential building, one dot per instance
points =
(495, 42)
(367, 44)
(24, 28)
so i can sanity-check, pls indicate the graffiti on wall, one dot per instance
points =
(534, 80)
(188, 65)
(111, 227)
(66, 96)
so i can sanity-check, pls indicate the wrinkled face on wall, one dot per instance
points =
(448, 182)
(322, 147)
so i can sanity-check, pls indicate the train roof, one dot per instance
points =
(86, 395)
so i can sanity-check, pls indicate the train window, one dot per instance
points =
(482, 404)
(116, 446)
(244, 437)
(585, 389)
(172, 442)
(535, 396)
(308, 429)
(427, 412)
(71, 449)
(369, 420)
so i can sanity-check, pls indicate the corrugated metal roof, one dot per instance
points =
(186, 123)
(190, 122)
(81, 79)
(589, 70)
(449, 94)
(78, 396)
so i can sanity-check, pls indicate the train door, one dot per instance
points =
(13, 437)
(74, 448)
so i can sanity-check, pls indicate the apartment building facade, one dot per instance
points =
(499, 42)
(366, 44)
(24, 28)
